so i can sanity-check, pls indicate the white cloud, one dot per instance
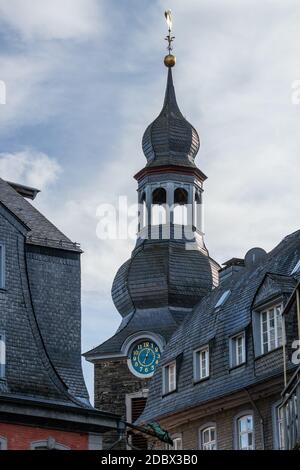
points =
(52, 19)
(29, 167)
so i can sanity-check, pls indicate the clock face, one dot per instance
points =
(144, 357)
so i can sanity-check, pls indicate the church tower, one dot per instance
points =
(169, 270)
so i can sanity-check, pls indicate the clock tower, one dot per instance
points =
(169, 270)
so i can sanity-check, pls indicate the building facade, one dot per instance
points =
(44, 402)
(231, 357)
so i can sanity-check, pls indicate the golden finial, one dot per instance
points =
(170, 59)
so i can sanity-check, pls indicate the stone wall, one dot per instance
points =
(112, 382)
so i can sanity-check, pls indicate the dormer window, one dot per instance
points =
(169, 378)
(201, 364)
(271, 329)
(296, 268)
(222, 299)
(237, 350)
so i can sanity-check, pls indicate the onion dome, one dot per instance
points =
(161, 274)
(170, 139)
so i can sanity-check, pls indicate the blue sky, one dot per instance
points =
(85, 77)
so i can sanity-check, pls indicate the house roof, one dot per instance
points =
(41, 230)
(206, 325)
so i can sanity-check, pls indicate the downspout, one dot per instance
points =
(260, 416)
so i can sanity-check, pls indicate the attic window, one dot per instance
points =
(296, 268)
(223, 299)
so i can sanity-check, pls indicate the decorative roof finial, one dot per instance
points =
(170, 59)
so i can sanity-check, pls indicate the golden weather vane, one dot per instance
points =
(170, 59)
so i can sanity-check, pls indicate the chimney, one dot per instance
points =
(231, 267)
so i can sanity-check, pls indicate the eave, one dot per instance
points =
(183, 170)
(53, 415)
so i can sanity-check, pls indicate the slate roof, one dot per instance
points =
(170, 139)
(157, 288)
(163, 273)
(208, 325)
(41, 230)
(159, 321)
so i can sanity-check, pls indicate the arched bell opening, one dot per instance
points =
(143, 210)
(158, 209)
(198, 215)
(180, 215)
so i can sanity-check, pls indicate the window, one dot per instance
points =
(245, 432)
(49, 444)
(296, 268)
(201, 363)
(177, 443)
(271, 329)
(169, 378)
(237, 350)
(2, 355)
(208, 438)
(222, 299)
(3, 443)
(135, 405)
(2, 266)
(280, 428)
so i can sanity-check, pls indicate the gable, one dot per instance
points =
(273, 285)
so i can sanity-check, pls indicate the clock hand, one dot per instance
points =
(144, 361)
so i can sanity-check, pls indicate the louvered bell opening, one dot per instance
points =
(137, 407)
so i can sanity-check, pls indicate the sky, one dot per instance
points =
(83, 80)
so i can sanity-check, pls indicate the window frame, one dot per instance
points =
(2, 355)
(198, 363)
(175, 438)
(296, 268)
(237, 434)
(233, 350)
(204, 428)
(2, 265)
(222, 299)
(166, 378)
(267, 311)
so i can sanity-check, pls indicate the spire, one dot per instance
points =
(170, 101)
(170, 139)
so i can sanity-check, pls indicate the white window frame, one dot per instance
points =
(2, 355)
(248, 431)
(235, 359)
(169, 378)
(177, 443)
(265, 320)
(201, 363)
(280, 428)
(211, 444)
(2, 266)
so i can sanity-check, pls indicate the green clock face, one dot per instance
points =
(145, 355)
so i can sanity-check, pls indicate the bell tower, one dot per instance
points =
(169, 270)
